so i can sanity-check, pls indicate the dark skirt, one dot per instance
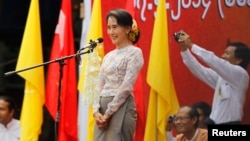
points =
(122, 123)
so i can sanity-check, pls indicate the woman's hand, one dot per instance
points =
(106, 117)
(100, 120)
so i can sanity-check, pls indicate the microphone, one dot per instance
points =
(92, 43)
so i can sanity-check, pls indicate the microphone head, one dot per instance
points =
(100, 40)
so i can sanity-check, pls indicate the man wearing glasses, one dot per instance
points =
(186, 123)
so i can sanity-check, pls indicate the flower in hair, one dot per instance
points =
(134, 31)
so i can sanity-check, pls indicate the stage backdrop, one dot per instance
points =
(210, 23)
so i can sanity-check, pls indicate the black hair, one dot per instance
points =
(124, 19)
(242, 52)
(193, 113)
(8, 99)
(206, 108)
(122, 16)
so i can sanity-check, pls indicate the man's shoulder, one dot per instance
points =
(202, 134)
(202, 130)
(15, 123)
(15, 120)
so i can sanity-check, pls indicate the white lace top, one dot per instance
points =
(117, 76)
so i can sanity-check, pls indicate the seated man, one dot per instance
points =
(186, 123)
(9, 127)
(204, 111)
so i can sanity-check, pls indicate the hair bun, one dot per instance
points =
(134, 34)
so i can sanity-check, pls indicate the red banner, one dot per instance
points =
(210, 23)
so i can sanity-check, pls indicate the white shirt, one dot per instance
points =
(230, 83)
(11, 132)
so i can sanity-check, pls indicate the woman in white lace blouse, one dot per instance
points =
(115, 111)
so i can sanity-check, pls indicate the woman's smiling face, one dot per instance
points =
(117, 33)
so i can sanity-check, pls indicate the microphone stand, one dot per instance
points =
(49, 62)
(61, 64)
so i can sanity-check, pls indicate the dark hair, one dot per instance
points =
(193, 113)
(8, 99)
(206, 108)
(126, 20)
(241, 52)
